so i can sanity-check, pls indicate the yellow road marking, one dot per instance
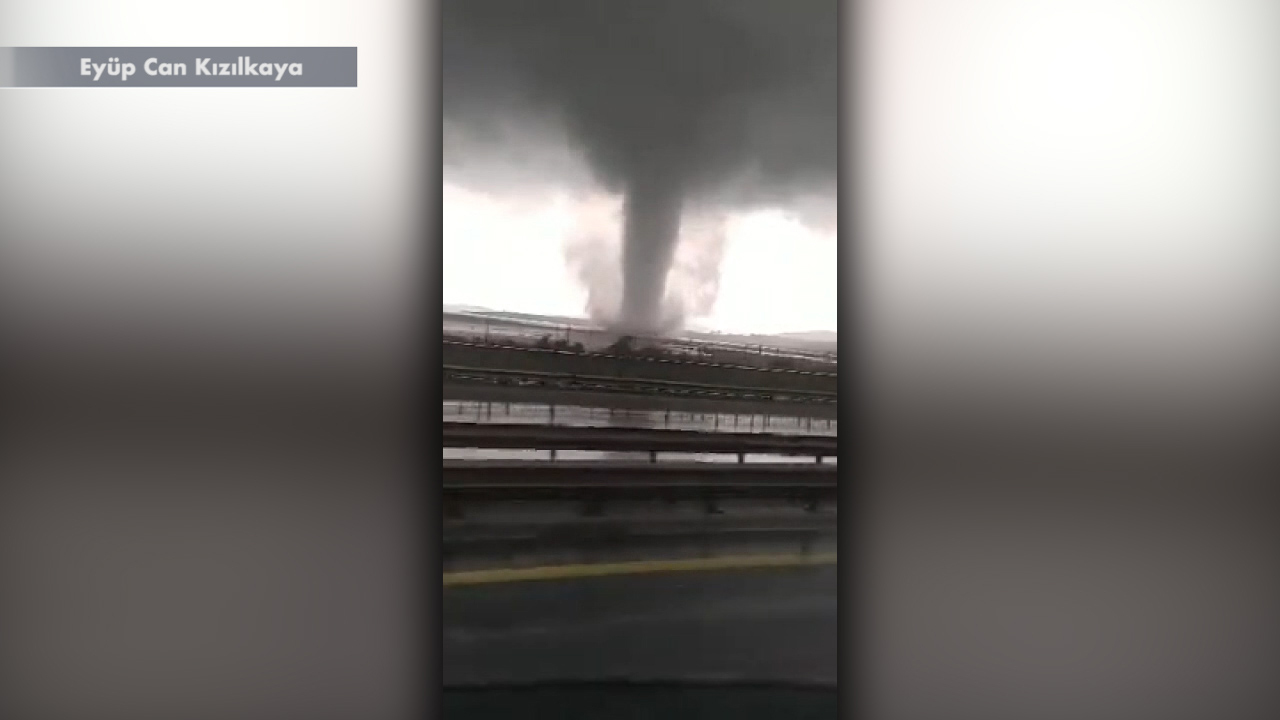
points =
(561, 572)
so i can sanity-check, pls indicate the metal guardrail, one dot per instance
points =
(597, 383)
(597, 482)
(575, 415)
(637, 358)
(506, 538)
(616, 439)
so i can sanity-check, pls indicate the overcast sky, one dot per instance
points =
(1059, 168)
(716, 117)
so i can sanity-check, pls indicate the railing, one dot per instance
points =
(636, 358)
(573, 415)
(615, 439)
(597, 482)
(606, 384)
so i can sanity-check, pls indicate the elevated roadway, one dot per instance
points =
(618, 439)
(619, 367)
(484, 384)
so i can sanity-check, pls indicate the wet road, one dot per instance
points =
(774, 624)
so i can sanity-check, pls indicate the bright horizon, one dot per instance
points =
(776, 275)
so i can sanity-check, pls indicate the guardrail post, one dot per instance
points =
(742, 457)
(653, 456)
(552, 418)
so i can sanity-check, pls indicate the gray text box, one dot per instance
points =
(31, 67)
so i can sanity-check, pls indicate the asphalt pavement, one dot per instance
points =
(764, 624)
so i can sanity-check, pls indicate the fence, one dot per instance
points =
(578, 416)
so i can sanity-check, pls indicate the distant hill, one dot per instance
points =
(812, 341)
(816, 336)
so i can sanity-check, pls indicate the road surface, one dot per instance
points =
(762, 623)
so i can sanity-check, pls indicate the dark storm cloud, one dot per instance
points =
(668, 102)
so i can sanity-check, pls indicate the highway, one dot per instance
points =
(598, 570)
(507, 502)
(774, 623)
